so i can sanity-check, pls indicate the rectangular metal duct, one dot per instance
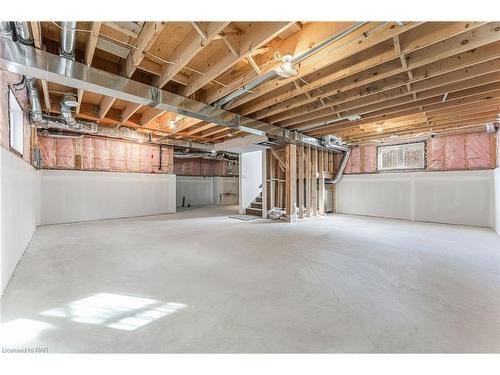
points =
(26, 60)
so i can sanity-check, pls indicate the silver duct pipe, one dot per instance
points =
(34, 97)
(5, 30)
(23, 33)
(91, 128)
(340, 172)
(67, 114)
(295, 60)
(68, 39)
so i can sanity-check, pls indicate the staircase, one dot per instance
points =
(256, 206)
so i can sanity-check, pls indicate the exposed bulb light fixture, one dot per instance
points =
(172, 124)
(286, 70)
(380, 129)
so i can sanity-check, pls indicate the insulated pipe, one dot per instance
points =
(295, 60)
(68, 39)
(23, 33)
(5, 30)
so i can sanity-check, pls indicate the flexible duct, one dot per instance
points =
(23, 33)
(68, 116)
(5, 30)
(274, 73)
(34, 97)
(68, 39)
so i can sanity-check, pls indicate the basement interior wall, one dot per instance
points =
(497, 184)
(203, 191)
(19, 187)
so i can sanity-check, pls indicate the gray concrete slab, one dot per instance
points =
(198, 281)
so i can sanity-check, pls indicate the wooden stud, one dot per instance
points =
(291, 181)
(301, 181)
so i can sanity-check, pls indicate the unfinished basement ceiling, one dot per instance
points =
(377, 81)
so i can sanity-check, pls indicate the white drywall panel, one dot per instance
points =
(458, 197)
(68, 196)
(19, 210)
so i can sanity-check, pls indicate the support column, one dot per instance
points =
(321, 183)
(314, 182)
(291, 181)
(301, 181)
(264, 183)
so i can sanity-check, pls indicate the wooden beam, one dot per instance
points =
(130, 29)
(291, 180)
(254, 65)
(37, 39)
(90, 47)
(129, 111)
(301, 181)
(321, 184)
(255, 36)
(149, 115)
(444, 60)
(366, 69)
(147, 37)
(314, 181)
(187, 49)
(308, 158)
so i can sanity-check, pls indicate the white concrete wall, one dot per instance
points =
(68, 196)
(202, 191)
(497, 200)
(19, 210)
(444, 197)
(250, 177)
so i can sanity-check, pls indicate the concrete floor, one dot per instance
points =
(198, 281)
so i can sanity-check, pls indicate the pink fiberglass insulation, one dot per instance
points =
(354, 162)
(455, 152)
(369, 159)
(48, 150)
(65, 153)
(435, 153)
(132, 161)
(146, 158)
(88, 153)
(478, 150)
(117, 156)
(101, 154)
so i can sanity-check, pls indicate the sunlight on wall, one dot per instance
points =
(115, 311)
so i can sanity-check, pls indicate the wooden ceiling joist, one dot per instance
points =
(37, 39)
(257, 34)
(185, 51)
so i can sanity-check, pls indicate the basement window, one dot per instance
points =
(406, 156)
(16, 128)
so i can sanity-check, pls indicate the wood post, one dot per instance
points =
(291, 181)
(321, 183)
(301, 181)
(308, 181)
(314, 182)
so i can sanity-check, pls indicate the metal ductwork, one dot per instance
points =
(66, 111)
(68, 39)
(23, 33)
(57, 124)
(340, 172)
(34, 97)
(5, 30)
(275, 73)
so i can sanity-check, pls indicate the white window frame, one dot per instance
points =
(400, 161)
(16, 125)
